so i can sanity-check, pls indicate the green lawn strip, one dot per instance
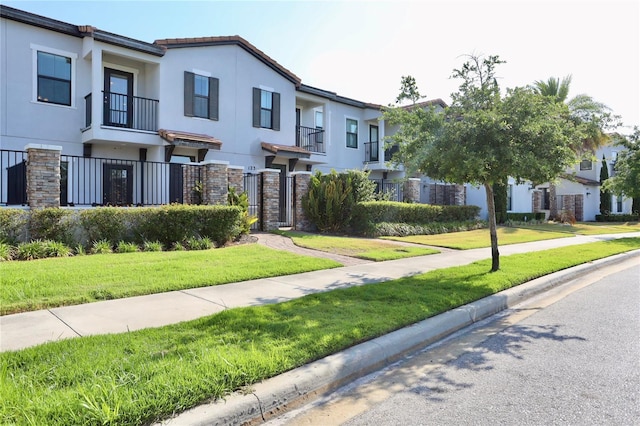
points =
(143, 376)
(362, 248)
(595, 228)
(480, 238)
(39, 284)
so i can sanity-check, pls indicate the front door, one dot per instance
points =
(284, 196)
(118, 98)
(117, 185)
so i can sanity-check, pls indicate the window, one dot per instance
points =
(266, 109)
(200, 96)
(619, 204)
(586, 165)
(53, 78)
(352, 133)
(509, 197)
(319, 126)
(319, 120)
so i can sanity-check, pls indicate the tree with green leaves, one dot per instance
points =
(605, 195)
(408, 90)
(484, 137)
(626, 180)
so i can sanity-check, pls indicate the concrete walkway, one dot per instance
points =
(116, 316)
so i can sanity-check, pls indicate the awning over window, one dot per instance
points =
(286, 151)
(203, 143)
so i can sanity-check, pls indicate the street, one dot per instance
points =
(569, 356)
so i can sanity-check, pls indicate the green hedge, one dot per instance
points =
(406, 229)
(368, 215)
(617, 217)
(170, 224)
(525, 217)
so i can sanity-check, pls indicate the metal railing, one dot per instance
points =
(131, 112)
(310, 138)
(392, 191)
(388, 153)
(13, 177)
(371, 152)
(251, 182)
(94, 181)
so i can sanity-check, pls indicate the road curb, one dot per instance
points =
(304, 384)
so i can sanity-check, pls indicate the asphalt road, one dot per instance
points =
(568, 357)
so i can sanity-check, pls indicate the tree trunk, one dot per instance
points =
(495, 254)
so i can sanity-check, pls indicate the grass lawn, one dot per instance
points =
(479, 238)
(363, 248)
(45, 283)
(583, 228)
(143, 376)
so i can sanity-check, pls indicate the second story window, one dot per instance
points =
(54, 78)
(200, 96)
(352, 133)
(585, 165)
(266, 109)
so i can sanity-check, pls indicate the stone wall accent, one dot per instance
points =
(460, 195)
(579, 207)
(553, 203)
(536, 201)
(235, 178)
(214, 182)
(301, 187)
(269, 199)
(190, 182)
(411, 190)
(43, 175)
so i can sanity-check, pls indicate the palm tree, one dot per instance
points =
(594, 116)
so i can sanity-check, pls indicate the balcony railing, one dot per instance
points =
(310, 139)
(371, 152)
(131, 112)
(388, 153)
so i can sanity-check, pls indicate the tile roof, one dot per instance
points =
(170, 43)
(173, 136)
(274, 149)
(580, 180)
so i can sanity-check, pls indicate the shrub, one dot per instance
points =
(31, 250)
(617, 217)
(405, 229)
(56, 249)
(329, 202)
(101, 247)
(177, 246)
(6, 252)
(50, 224)
(125, 247)
(199, 243)
(13, 225)
(242, 201)
(152, 246)
(525, 217)
(105, 223)
(79, 250)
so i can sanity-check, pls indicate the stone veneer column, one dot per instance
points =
(214, 182)
(235, 176)
(536, 201)
(553, 203)
(411, 190)
(43, 175)
(579, 207)
(190, 178)
(269, 199)
(569, 204)
(301, 188)
(460, 195)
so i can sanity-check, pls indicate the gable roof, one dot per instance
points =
(236, 40)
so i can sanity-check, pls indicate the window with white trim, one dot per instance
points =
(352, 133)
(53, 76)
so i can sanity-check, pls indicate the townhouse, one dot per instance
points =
(128, 119)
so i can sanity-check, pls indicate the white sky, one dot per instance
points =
(360, 49)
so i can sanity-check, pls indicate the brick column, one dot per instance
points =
(301, 188)
(214, 182)
(235, 176)
(190, 180)
(43, 175)
(460, 195)
(536, 201)
(553, 203)
(269, 198)
(411, 190)
(579, 206)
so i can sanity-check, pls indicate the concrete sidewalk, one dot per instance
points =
(116, 316)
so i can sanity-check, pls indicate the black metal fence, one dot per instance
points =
(251, 182)
(13, 177)
(389, 190)
(132, 112)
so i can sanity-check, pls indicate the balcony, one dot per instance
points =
(388, 153)
(310, 138)
(129, 112)
(371, 152)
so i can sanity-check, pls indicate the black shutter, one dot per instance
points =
(275, 112)
(188, 93)
(256, 106)
(213, 98)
